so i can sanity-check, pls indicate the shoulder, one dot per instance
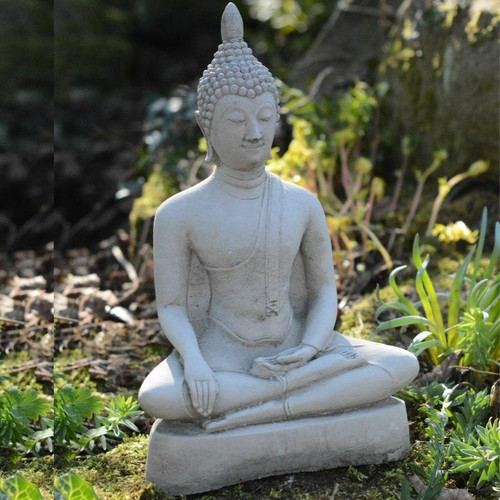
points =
(182, 206)
(302, 198)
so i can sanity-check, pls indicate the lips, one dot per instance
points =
(256, 145)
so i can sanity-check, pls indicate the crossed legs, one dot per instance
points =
(335, 381)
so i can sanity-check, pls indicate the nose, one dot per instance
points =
(253, 132)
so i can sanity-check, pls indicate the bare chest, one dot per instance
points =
(233, 230)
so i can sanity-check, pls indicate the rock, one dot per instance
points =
(442, 67)
(348, 48)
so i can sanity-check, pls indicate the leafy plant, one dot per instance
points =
(18, 488)
(326, 157)
(473, 318)
(73, 487)
(460, 440)
(20, 413)
(478, 454)
(76, 409)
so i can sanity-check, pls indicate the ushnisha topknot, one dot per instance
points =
(233, 70)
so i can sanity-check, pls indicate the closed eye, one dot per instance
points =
(236, 118)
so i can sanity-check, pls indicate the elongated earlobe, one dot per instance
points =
(210, 153)
(210, 150)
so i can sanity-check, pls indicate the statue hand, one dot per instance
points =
(202, 384)
(279, 364)
(296, 356)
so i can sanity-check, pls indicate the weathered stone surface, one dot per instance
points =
(444, 79)
(349, 47)
(441, 61)
(184, 460)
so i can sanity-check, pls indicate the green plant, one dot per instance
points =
(18, 488)
(479, 167)
(478, 454)
(326, 156)
(21, 412)
(460, 441)
(421, 177)
(472, 307)
(74, 411)
(73, 487)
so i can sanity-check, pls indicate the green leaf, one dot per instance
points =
(404, 321)
(72, 487)
(456, 289)
(79, 402)
(97, 432)
(495, 255)
(26, 404)
(394, 286)
(493, 470)
(405, 490)
(130, 425)
(18, 488)
(480, 246)
(396, 306)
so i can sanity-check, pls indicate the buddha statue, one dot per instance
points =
(245, 284)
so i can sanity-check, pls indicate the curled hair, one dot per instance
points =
(233, 70)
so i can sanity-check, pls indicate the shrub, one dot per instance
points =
(79, 424)
(460, 440)
(21, 412)
(472, 308)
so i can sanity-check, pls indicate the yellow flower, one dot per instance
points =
(455, 232)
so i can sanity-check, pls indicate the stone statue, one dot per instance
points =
(246, 294)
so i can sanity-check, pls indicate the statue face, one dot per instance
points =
(243, 130)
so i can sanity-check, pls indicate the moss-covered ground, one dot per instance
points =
(120, 475)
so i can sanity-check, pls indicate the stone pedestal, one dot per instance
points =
(182, 459)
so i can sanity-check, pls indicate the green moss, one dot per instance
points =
(358, 319)
(24, 379)
(118, 474)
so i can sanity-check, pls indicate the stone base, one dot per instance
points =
(182, 459)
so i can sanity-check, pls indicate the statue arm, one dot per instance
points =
(172, 256)
(320, 277)
(172, 260)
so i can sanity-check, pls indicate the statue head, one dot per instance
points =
(237, 100)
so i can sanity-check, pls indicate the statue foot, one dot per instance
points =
(268, 412)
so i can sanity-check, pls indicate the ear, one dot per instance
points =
(210, 149)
